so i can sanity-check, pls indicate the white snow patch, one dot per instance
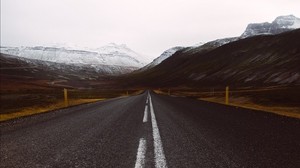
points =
(296, 25)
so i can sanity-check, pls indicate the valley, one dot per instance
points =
(258, 62)
(158, 84)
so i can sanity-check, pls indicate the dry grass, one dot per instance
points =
(41, 109)
(131, 93)
(160, 92)
(249, 99)
(247, 103)
(39, 101)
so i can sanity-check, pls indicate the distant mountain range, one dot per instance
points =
(112, 55)
(21, 73)
(262, 55)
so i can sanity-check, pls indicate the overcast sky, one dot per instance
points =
(146, 26)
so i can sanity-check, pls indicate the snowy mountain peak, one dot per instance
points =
(166, 54)
(279, 25)
(289, 21)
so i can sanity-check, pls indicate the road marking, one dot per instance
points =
(140, 156)
(160, 159)
(145, 119)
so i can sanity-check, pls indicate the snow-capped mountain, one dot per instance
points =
(111, 54)
(189, 50)
(166, 54)
(209, 45)
(279, 25)
(18, 72)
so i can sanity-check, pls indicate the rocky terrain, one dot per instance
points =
(279, 25)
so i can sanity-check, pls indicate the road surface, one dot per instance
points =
(151, 130)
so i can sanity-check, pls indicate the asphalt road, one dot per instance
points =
(151, 131)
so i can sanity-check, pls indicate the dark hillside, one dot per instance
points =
(264, 60)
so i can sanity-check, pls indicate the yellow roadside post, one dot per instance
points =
(227, 95)
(66, 97)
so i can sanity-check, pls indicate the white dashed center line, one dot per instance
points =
(145, 119)
(140, 156)
(160, 159)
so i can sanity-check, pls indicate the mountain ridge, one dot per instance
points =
(279, 25)
(17, 72)
(166, 54)
(109, 55)
(245, 62)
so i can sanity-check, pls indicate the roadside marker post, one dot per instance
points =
(227, 95)
(66, 97)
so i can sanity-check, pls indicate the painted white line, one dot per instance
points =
(140, 156)
(145, 119)
(160, 159)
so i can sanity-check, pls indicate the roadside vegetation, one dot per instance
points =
(282, 100)
(20, 103)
